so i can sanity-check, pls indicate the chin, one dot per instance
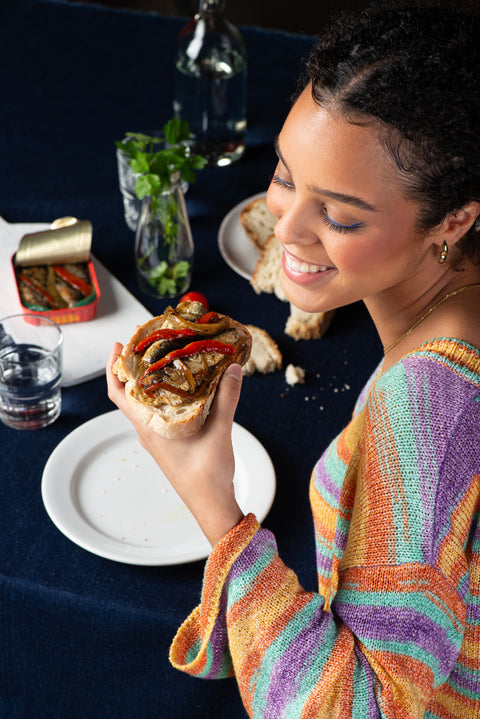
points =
(302, 298)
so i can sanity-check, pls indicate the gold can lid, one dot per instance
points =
(67, 240)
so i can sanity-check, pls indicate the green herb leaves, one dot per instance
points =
(161, 160)
(167, 279)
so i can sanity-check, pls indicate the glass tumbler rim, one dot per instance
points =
(36, 319)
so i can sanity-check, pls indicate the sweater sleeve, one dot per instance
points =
(385, 628)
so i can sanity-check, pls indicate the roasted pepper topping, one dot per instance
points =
(209, 329)
(46, 295)
(73, 280)
(191, 349)
(163, 334)
(208, 317)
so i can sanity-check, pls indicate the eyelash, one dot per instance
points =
(340, 228)
(331, 224)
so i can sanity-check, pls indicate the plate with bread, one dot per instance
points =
(248, 244)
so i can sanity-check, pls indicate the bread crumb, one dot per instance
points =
(294, 375)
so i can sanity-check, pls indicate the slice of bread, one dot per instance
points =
(266, 276)
(265, 356)
(257, 222)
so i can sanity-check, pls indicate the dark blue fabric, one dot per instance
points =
(83, 637)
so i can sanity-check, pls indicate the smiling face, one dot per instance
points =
(347, 230)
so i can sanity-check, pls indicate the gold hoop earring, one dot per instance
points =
(443, 254)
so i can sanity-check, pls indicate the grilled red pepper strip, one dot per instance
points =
(165, 334)
(73, 280)
(208, 317)
(191, 349)
(38, 289)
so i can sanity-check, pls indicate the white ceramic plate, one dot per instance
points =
(106, 494)
(235, 247)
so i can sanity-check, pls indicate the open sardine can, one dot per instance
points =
(54, 273)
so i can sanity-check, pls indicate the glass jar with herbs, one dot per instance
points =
(164, 166)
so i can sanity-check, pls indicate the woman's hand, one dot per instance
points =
(200, 467)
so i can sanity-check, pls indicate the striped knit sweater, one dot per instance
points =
(394, 630)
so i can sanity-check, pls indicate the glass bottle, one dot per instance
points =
(164, 247)
(210, 84)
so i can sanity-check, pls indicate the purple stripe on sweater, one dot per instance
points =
(466, 679)
(290, 667)
(323, 481)
(373, 709)
(263, 541)
(324, 561)
(473, 613)
(218, 641)
(399, 626)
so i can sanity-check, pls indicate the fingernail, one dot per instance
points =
(235, 371)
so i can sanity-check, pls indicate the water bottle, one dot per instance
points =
(210, 84)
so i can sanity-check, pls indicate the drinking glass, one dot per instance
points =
(30, 371)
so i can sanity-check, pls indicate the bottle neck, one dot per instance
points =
(209, 7)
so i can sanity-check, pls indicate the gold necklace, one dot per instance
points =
(427, 313)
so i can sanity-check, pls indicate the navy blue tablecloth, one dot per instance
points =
(81, 636)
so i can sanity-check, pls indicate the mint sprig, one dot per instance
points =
(167, 280)
(161, 160)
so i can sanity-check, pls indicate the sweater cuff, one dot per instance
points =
(200, 646)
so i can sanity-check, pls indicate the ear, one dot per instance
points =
(456, 224)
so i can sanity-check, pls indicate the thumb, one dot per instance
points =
(228, 394)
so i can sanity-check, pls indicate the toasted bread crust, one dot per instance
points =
(187, 417)
(257, 222)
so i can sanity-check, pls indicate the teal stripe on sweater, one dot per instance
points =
(405, 506)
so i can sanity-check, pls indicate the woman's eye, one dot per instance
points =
(337, 226)
(277, 180)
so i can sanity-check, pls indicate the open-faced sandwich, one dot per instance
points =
(173, 363)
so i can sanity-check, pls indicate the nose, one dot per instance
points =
(295, 223)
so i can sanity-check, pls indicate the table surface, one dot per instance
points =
(83, 636)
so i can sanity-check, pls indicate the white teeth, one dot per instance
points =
(303, 266)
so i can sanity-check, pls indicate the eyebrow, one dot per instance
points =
(339, 196)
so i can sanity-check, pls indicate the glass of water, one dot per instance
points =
(30, 371)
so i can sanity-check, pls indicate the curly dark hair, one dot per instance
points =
(416, 69)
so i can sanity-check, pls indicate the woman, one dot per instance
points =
(377, 197)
